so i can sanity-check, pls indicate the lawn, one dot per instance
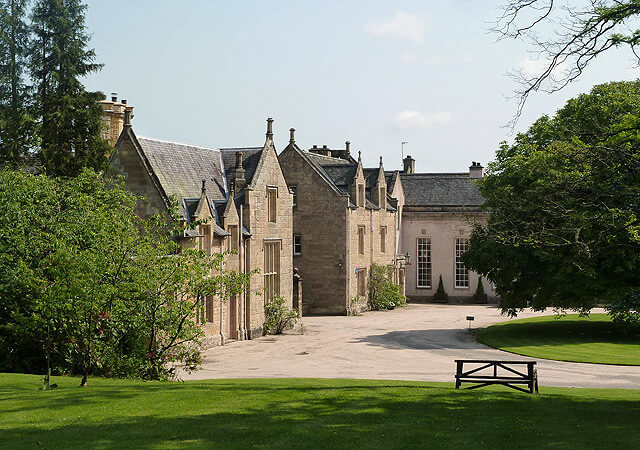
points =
(309, 413)
(592, 339)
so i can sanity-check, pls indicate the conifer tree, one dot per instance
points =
(70, 117)
(16, 124)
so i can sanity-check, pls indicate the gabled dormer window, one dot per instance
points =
(361, 195)
(383, 198)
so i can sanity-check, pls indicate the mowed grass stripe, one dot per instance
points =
(309, 413)
(592, 339)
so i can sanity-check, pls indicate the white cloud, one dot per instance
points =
(436, 60)
(402, 26)
(414, 119)
(533, 68)
(409, 57)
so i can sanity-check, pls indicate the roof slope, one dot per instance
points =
(180, 168)
(441, 190)
(250, 159)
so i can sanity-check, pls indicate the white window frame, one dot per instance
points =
(428, 263)
(298, 244)
(460, 272)
(294, 191)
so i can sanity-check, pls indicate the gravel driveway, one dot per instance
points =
(418, 342)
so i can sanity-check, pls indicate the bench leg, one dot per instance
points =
(458, 373)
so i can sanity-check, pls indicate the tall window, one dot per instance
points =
(361, 278)
(294, 191)
(383, 239)
(208, 308)
(297, 245)
(424, 262)
(383, 198)
(233, 239)
(205, 240)
(361, 230)
(272, 195)
(462, 274)
(271, 269)
(361, 195)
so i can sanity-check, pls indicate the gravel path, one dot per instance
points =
(418, 342)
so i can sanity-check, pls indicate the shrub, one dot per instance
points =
(383, 293)
(440, 295)
(278, 317)
(480, 296)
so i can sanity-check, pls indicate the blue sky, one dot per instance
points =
(375, 73)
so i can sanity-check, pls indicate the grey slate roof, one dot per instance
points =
(440, 190)
(250, 159)
(341, 173)
(180, 168)
(322, 159)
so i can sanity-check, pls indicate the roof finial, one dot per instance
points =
(359, 156)
(204, 186)
(380, 160)
(292, 135)
(269, 128)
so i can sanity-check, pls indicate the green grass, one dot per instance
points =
(592, 339)
(309, 413)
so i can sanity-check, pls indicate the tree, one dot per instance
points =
(90, 288)
(16, 124)
(564, 227)
(581, 34)
(70, 117)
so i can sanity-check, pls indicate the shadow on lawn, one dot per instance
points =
(261, 414)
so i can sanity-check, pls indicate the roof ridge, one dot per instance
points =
(177, 143)
(224, 149)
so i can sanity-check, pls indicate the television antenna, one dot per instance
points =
(403, 142)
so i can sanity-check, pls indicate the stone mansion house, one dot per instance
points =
(313, 222)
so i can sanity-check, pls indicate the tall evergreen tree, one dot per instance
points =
(70, 117)
(16, 124)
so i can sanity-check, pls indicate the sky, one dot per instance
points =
(373, 72)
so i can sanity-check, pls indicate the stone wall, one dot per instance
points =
(442, 229)
(126, 162)
(319, 218)
(255, 213)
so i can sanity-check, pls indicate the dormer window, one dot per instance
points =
(383, 198)
(361, 195)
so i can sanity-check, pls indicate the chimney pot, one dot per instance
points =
(124, 102)
(270, 128)
(409, 164)
(324, 147)
(292, 135)
(348, 147)
(315, 146)
(476, 170)
(127, 117)
(239, 160)
(114, 96)
(204, 186)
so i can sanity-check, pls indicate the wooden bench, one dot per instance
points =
(481, 374)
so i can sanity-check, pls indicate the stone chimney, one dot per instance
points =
(238, 174)
(270, 129)
(476, 170)
(409, 165)
(292, 136)
(116, 114)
